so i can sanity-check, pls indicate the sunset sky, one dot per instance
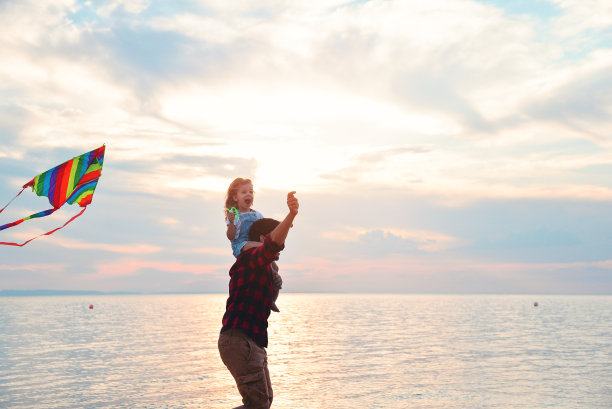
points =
(435, 146)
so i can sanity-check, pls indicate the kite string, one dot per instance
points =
(1, 210)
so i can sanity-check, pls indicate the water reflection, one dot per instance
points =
(326, 351)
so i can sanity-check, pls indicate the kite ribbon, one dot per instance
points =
(47, 233)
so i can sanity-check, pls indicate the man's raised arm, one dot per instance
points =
(279, 234)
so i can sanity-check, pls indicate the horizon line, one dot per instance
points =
(47, 292)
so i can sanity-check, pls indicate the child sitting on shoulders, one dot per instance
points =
(239, 216)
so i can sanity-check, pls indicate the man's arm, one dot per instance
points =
(251, 244)
(267, 251)
(279, 234)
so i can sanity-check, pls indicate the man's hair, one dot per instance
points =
(262, 227)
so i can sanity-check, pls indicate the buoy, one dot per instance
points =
(91, 306)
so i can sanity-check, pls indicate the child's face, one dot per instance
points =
(244, 197)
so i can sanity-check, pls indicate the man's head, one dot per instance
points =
(262, 227)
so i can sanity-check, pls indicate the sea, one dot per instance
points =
(332, 351)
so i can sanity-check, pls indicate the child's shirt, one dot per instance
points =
(243, 224)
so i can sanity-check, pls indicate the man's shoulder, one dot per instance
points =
(244, 258)
(257, 257)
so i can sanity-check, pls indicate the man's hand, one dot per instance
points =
(292, 203)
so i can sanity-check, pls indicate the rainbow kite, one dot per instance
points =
(73, 181)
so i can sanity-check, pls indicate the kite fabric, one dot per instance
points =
(73, 181)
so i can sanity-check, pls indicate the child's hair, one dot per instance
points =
(262, 227)
(232, 190)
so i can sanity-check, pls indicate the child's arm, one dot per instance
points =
(231, 231)
(231, 227)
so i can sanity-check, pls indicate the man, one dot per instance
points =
(244, 335)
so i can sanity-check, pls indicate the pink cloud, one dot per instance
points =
(418, 266)
(130, 267)
(114, 248)
(217, 251)
(34, 267)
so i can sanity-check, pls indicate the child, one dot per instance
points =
(240, 195)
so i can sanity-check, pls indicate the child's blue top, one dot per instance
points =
(243, 224)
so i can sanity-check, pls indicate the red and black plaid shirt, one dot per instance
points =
(250, 292)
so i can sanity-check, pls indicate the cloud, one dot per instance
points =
(333, 66)
(578, 17)
(33, 267)
(392, 240)
(128, 267)
(113, 248)
(538, 238)
(131, 6)
(219, 251)
(365, 165)
(415, 132)
(411, 273)
(581, 102)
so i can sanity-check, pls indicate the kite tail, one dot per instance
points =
(32, 216)
(43, 234)
(1, 210)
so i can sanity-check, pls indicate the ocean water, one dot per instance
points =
(326, 351)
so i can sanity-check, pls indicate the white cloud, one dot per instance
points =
(579, 16)
(129, 6)
(202, 28)
(30, 22)
(379, 73)
(423, 240)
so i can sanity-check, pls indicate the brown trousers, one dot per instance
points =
(248, 364)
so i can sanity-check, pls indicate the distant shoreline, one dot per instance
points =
(30, 293)
(36, 293)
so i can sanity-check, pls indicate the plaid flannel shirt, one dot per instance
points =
(250, 292)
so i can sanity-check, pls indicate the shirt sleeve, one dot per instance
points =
(264, 255)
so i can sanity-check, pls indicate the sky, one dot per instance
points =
(440, 146)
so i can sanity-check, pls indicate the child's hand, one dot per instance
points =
(292, 203)
(230, 216)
